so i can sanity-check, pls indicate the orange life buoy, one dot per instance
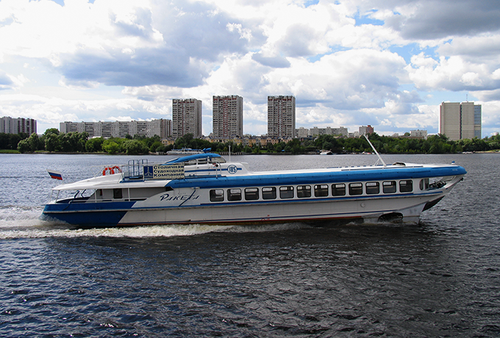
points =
(111, 170)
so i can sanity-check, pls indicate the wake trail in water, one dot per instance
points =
(12, 216)
(23, 222)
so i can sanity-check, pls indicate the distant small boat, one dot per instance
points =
(326, 152)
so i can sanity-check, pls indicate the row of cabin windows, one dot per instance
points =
(319, 190)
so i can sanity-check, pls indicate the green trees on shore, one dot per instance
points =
(53, 141)
(10, 141)
(434, 144)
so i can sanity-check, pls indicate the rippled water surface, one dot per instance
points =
(438, 278)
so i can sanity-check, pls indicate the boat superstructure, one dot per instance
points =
(205, 189)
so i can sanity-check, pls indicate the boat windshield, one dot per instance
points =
(72, 194)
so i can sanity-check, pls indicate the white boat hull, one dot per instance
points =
(366, 210)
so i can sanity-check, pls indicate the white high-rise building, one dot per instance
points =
(9, 125)
(460, 121)
(160, 127)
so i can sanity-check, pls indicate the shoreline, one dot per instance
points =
(15, 152)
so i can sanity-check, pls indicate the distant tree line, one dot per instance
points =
(75, 142)
(53, 141)
(10, 141)
(434, 144)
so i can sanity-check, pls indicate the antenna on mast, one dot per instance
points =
(375, 150)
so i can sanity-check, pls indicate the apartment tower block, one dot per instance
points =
(9, 125)
(281, 116)
(227, 116)
(460, 120)
(186, 117)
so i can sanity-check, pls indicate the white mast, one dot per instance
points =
(375, 150)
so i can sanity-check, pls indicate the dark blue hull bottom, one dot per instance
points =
(88, 219)
(88, 215)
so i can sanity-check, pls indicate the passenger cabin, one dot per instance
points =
(326, 190)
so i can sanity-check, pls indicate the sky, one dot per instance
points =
(385, 63)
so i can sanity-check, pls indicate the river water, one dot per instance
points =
(438, 278)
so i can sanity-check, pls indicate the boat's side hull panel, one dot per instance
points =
(367, 209)
(370, 210)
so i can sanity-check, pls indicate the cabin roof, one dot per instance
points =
(191, 158)
(280, 178)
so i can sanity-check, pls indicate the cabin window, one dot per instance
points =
(355, 188)
(303, 191)
(269, 193)
(234, 194)
(216, 195)
(338, 189)
(321, 190)
(424, 184)
(251, 194)
(117, 194)
(286, 192)
(389, 187)
(372, 188)
(406, 186)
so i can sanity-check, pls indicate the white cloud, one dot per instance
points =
(450, 73)
(348, 63)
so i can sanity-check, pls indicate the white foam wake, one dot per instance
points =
(24, 222)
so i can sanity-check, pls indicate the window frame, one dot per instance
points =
(269, 194)
(215, 197)
(321, 190)
(372, 188)
(410, 185)
(303, 191)
(251, 194)
(355, 188)
(339, 187)
(232, 195)
(285, 191)
(117, 193)
(390, 188)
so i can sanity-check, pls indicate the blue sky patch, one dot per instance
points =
(310, 3)
(333, 50)
(412, 49)
(366, 20)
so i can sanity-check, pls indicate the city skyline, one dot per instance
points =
(384, 63)
(458, 120)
